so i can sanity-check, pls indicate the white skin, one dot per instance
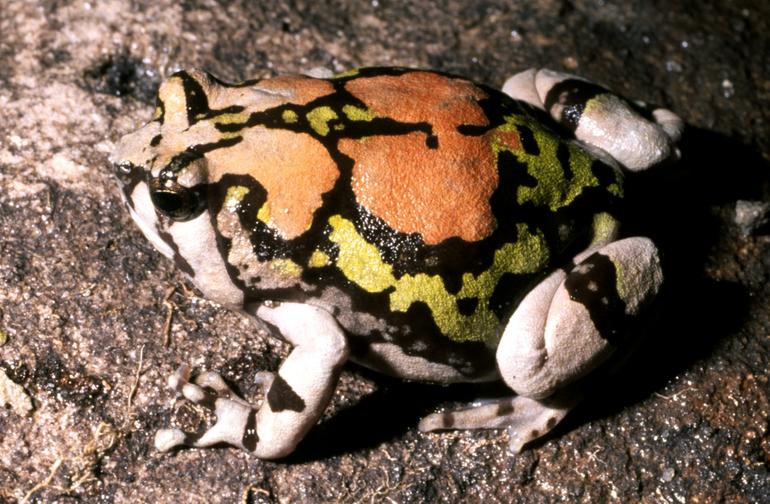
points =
(550, 342)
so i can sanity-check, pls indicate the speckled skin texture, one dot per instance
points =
(82, 293)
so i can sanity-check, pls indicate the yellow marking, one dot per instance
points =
(263, 213)
(601, 102)
(232, 118)
(158, 113)
(230, 134)
(357, 113)
(319, 119)
(605, 228)
(553, 189)
(358, 259)
(285, 267)
(362, 264)
(615, 189)
(289, 116)
(234, 196)
(348, 73)
(339, 127)
(318, 259)
(620, 281)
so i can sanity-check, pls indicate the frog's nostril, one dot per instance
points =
(123, 167)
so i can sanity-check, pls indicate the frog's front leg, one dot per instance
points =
(563, 329)
(296, 396)
(633, 133)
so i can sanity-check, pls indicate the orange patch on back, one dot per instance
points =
(438, 193)
(294, 169)
(510, 139)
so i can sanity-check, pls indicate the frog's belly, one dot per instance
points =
(406, 345)
(391, 359)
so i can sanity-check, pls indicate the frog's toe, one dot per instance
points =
(166, 439)
(264, 379)
(532, 419)
(214, 381)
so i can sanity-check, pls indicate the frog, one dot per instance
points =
(410, 221)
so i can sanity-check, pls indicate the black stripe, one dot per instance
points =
(196, 101)
(596, 289)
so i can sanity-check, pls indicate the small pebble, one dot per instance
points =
(751, 215)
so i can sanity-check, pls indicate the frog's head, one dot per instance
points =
(163, 175)
(161, 168)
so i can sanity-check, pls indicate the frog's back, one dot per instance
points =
(422, 203)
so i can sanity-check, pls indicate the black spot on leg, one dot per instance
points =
(447, 420)
(250, 438)
(593, 284)
(281, 396)
(534, 434)
(505, 408)
(550, 423)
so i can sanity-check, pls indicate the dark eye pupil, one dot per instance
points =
(175, 201)
(169, 203)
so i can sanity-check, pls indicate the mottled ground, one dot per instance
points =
(84, 299)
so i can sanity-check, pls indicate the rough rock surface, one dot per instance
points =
(84, 298)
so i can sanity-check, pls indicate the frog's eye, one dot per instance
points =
(176, 201)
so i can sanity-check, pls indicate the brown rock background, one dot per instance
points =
(84, 299)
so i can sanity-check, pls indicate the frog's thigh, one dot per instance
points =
(573, 321)
(636, 135)
(297, 394)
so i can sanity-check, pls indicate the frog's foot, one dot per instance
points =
(524, 419)
(235, 423)
(294, 397)
(635, 134)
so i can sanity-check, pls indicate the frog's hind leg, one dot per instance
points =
(635, 134)
(567, 326)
